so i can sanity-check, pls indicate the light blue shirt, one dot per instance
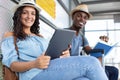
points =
(77, 42)
(29, 49)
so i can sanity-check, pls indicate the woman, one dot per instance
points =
(32, 64)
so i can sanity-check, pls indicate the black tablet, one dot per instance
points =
(59, 42)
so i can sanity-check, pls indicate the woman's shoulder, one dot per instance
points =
(40, 35)
(8, 34)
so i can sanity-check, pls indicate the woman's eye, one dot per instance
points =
(33, 14)
(23, 12)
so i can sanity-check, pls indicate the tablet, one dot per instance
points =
(59, 42)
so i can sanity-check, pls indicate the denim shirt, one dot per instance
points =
(29, 49)
(77, 43)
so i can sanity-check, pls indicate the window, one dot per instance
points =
(96, 28)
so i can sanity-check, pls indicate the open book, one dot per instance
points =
(106, 47)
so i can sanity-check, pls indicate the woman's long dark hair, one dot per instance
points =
(18, 27)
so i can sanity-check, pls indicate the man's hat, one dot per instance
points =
(83, 8)
(28, 3)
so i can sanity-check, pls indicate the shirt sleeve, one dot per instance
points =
(86, 43)
(8, 51)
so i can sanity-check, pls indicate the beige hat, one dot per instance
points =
(83, 8)
(28, 3)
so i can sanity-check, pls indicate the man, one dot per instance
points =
(80, 15)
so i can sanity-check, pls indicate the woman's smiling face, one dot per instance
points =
(28, 16)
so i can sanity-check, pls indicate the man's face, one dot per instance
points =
(79, 19)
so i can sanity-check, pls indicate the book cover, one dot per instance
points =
(104, 46)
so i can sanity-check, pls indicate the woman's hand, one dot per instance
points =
(42, 61)
(66, 53)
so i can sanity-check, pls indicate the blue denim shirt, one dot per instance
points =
(77, 42)
(29, 50)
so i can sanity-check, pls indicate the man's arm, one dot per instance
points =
(87, 49)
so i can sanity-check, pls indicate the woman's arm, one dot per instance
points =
(41, 62)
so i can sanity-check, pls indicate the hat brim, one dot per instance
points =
(31, 5)
(76, 10)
